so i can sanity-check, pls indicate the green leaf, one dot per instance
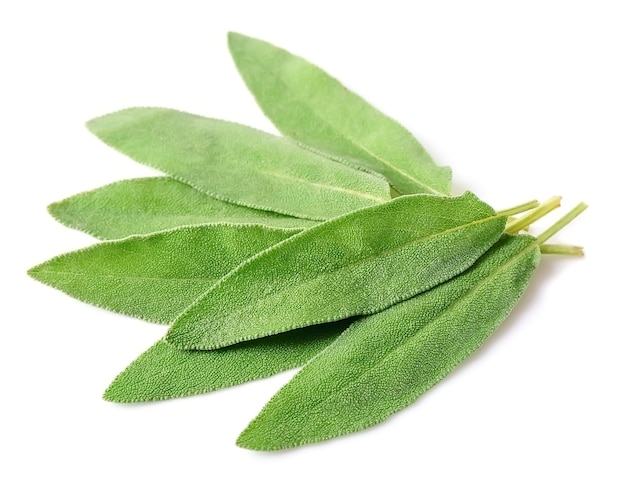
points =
(239, 164)
(156, 276)
(307, 104)
(357, 264)
(165, 372)
(146, 205)
(384, 362)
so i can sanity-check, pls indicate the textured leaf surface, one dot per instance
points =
(165, 371)
(155, 277)
(307, 104)
(146, 205)
(239, 164)
(384, 362)
(356, 264)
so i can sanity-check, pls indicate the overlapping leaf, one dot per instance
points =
(157, 276)
(310, 106)
(231, 250)
(384, 362)
(146, 205)
(164, 371)
(239, 164)
(359, 263)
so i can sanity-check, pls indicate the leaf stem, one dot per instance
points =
(559, 224)
(551, 249)
(519, 208)
(540, 211)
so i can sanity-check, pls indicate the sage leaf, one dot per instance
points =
(157, 276)
(146, 205)
(165, 372)
(356, 264)
(310, 106)
(239, 164)
(384, 362)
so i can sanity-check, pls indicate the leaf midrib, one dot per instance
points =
(355, 193)
(110, 276)
(341, 267)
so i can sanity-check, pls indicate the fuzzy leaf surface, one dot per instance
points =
(384, 362)
(146, 205)
(239, 164)
(356, 264)
(165, 372)
(310, 106)
(156, 276)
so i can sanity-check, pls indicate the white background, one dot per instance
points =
(523, 99)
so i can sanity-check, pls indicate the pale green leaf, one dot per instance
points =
(156, 276)
(310, 106)
(357, 264)
(146, 205)
(239, 164)
(384, 362)
(164, 371)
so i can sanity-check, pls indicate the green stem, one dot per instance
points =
(561, 250)
(559, 224)
(518, 209)
(540, 211)
(511, 220)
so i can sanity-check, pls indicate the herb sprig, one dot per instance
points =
(337, 248)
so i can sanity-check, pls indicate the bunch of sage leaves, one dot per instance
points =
(337, 247)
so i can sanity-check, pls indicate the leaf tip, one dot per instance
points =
(248, 441)
(33, 272)
(91, 125)
(266, 435)
(179, 341)
(235, 40)
(117, 393)
(121, 391)
(189, 338)
(109, 394)
(55, 210)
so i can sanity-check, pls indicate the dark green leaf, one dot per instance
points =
(384, 362)
(165, 371)
(357, 264)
